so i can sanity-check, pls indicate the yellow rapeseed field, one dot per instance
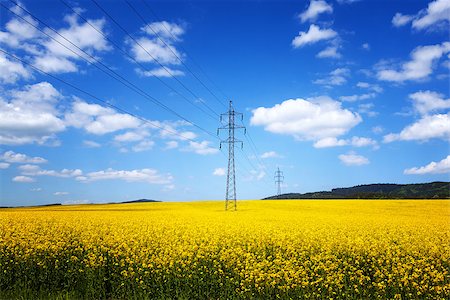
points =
(323, 249)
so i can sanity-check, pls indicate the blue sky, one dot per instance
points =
(335, 93)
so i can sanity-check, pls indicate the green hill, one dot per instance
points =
(432, 190)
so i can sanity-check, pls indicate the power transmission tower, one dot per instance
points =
(279, 178)
(230, 116)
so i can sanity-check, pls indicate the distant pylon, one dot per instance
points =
(279, 178)
(230, 197)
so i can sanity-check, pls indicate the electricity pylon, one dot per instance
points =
(279, 178)
(231, 114)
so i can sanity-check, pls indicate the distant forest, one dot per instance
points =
(432, 190)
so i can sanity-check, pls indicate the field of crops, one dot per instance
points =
(347, 249)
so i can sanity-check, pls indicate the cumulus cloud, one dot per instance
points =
(311, 119)
(270, 154)
(11, 71)
(171, 145)
(437, 12)
(436, 15)
(165, 30)
(143, 146)
(428, 127)
(329, 52)
(425, 102)
(97, 119)
(336, 77)
(52, 52)
(12, 157)
(29, 115)
(201, 148)
(158, 47)
(313, 35)
(400, 19)
(354, 141)
(151, 176)
(371, 86)
(33, 170)
(60, 193)
(439, 167)
(353, 159)
(219, 172)
(358, 97)
(420, 66)
(315, 8)
(4, 165)
(23, 179)
(160, 72)
(91, 144)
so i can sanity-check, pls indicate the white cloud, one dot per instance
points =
(219, 172)
(330, 142)
(311, 119)
(30, 115)
(428, 101)
(60, 55)
(329, 52)
(142, 175)
(165, 30)
(428, 127)
(171, 145)
(143, 146)
(91, 144)
(99, 120)
(400, 19)
(437, 12)
(160, 72)
(347, 1)
(315, 8)
(366, 108)
(131, 136)
(336, 77)
(53, 54)
(4, 165)
(36, 190)
(12, 157)
(366, 46)
(54, 64)
(439, 167)
(18, 32)
(313, 35)
(152, 50)
(11, 71)
(377, 129)
(158, 47)
(33, 170)
(60, 193)
(353, 159)
(24, 179)
(201, 148)
(420, 66)
(354, 98)
(270, 154)
(374, 87)
(354, 141)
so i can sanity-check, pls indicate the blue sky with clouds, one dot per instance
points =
(104, 101)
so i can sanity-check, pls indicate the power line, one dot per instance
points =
(95, 97)
(206, 87)
(154, 58)
(121, 79)
(134, 60)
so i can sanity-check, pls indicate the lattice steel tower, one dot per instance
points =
(279, 178)
(231, 115)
